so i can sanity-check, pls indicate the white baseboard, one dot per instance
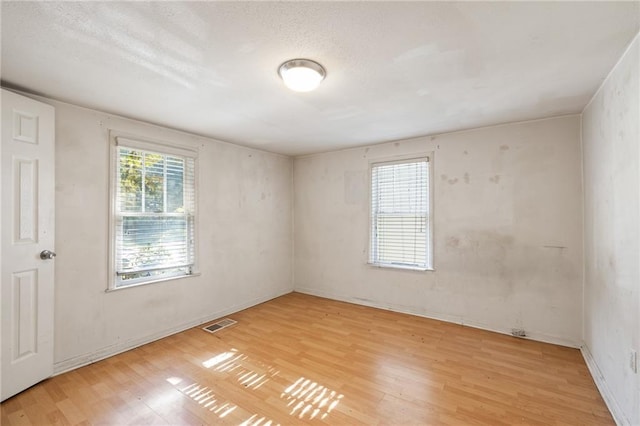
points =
(540, 337)
(601, 384)
(108, 351)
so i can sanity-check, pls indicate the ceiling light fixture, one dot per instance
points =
(302, 75)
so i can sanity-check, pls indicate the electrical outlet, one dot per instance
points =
(633, 361)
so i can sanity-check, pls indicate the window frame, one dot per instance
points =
(121, 139)
(429, 156)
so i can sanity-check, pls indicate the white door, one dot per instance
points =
(26, 231)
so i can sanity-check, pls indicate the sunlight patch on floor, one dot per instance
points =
(309, 399)
(249, 375)
(305, 398)
(174, 380)
(205, 397)
(258, 421)
(213, 361)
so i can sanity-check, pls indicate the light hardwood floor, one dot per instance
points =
(302, 359)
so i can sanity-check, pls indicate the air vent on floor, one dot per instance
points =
(219, 325)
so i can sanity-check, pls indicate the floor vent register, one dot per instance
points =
(219, 325)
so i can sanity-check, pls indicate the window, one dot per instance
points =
(154, 213)
(400, 207)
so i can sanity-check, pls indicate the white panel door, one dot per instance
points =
(27, 242)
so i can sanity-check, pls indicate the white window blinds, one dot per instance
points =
(400, 232)
(154, 215)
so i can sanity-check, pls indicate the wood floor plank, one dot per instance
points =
(300, 359)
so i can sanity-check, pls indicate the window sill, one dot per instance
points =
(400, 267)
(179, 277)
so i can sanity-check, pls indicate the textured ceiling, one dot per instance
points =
(395, 70)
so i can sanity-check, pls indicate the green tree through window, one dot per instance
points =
(154, 216)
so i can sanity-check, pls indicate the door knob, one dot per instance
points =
(47, 254)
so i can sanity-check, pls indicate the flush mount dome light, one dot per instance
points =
(301, 75)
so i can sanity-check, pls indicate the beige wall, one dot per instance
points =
(507, 229)
(244, 239)
(611, 141)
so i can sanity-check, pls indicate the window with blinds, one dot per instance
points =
(154, 235)
(400, 228)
